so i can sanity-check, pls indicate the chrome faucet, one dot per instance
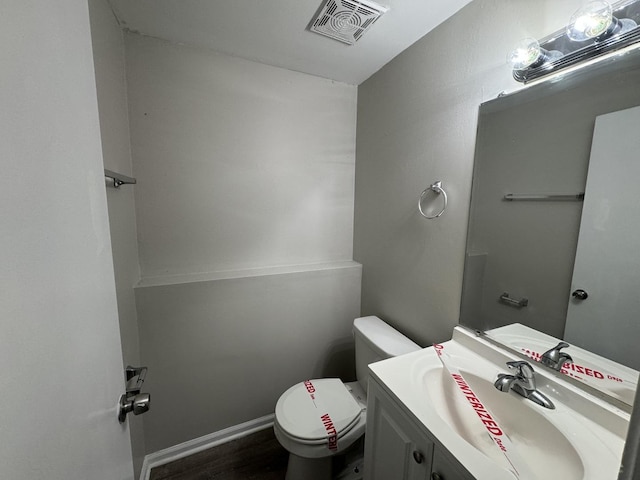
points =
(554, 358)
(523, 382)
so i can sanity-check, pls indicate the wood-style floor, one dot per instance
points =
(256, 457)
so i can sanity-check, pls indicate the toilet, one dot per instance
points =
(318, 419)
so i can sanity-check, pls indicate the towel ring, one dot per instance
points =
(435, 187)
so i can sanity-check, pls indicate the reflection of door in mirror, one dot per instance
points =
(605, 318)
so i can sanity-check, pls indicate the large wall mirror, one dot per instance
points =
(539, 252)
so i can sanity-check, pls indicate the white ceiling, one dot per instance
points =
(276, 32)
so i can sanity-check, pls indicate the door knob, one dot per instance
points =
(417, 456)
(580, 294)
(136, 404)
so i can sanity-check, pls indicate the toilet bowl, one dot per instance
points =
(318, 419)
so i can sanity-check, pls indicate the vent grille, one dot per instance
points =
(347, 20)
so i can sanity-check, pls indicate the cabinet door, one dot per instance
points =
(445, 467)
(394, 448)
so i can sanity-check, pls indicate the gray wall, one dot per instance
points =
(221, 352)
(109, 65)
(241, 165)
(244, 210)
(417, 121)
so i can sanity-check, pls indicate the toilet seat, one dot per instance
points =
(300, 428)
(312, 411)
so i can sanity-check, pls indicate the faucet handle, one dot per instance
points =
(522, 368)
(554, 352)
(554, 358)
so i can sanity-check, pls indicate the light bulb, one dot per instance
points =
(591, 21)
(528, 53)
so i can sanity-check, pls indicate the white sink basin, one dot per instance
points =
(541, 445)
(582, 438)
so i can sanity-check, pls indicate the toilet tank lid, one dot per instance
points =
(383, 337)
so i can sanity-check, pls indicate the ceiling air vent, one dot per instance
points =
(347, 20)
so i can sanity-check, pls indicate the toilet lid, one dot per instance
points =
(317, 409)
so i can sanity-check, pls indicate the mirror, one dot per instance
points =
(532, 166)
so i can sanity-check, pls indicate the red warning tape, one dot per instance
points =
(496, 433)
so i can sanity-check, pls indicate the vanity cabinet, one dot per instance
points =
(445, 467)
(397, 447)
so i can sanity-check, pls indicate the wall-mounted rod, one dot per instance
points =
(119, 179)
(514, 302)
(549, 197)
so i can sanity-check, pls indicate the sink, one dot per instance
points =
(581, 439)
(541, 445)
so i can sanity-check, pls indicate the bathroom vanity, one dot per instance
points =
(436, 414)
(400, 447)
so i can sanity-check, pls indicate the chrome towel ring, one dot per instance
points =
(435, 187)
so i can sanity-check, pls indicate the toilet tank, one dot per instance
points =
(376, 340)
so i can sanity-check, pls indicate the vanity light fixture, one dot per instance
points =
(594, 30)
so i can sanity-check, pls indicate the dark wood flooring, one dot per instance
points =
(258, 456)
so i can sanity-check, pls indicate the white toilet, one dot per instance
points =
(317, 419)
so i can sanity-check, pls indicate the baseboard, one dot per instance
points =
(203, 443)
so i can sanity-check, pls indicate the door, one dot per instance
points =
(60, 357)
(604, 319)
